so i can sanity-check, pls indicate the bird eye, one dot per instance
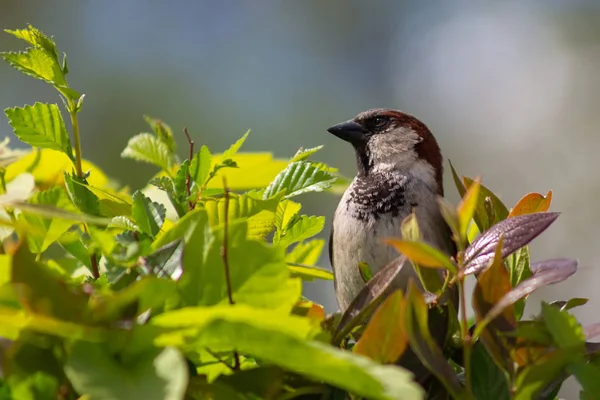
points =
(379, 122)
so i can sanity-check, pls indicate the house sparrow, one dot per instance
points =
(399, 169)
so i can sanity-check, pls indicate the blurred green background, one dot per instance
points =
(510, 89)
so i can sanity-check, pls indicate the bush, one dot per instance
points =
(191, 288)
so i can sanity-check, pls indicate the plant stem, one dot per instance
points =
(9, 211)
(465, 334)
(72, 109)
(76, 137)
(236, 356)
(188, 178)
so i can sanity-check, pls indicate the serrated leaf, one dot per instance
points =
(47, 230)
(148, 148)
(282, 340)
(564, 328)
(517, 231)
(303, 154)
(36, 38)
(40, 125)
(258, 274)
(163, 132)
(166, 184)
(83, 198)
(306, 253)
(160, 374)
(260, 214)
(300, 177)
(286, 210)
(301, 228)
(38, 64)
(200, 166)
(148, 215)
(233, 149)
(423, 254)
(123, 222)
(384, 339)
(309, 272)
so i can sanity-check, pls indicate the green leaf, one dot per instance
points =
(303, 154)
(306, 253)
(482, 217)
(200, 166)
(36, 38)
(46, 231)
(286, 210)
(365, 272)
(35, 385)
(148, 148)
(423, 254)
(165, 184)
(385, 339)
(158, 374)
(147, 214)
(488, 381)
(83, 198)
(233, 149)
(281, 340)
(301, 228)
(300, 177)
(534, 378)
(564, 328)
(163, 132)
(466, 209)
(40, 125)
(258, 273)
(518, 267)
(588, 376)
(309, 273)
(260, 214)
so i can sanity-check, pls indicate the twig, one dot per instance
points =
(224, 254)
(219, 359)
(466, 336)
(188, 178)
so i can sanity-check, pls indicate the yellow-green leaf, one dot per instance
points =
(423, 254)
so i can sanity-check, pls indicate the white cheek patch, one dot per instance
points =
(393, 150)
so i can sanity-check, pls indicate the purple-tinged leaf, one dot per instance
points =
(368, 298)
(591, 331)
(517, 231)
(420, 340)
(545, 273)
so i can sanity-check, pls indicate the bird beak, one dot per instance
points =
(349, 131)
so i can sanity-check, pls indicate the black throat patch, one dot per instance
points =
(377, 194)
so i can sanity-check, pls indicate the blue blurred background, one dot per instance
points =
(510, 89)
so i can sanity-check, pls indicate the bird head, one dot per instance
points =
(386, 139)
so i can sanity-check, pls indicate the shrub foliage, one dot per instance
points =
(191, 287)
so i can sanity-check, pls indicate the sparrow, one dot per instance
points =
(400, 169)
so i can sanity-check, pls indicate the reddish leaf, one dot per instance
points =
(384, 338)
(421, 342)
(591, 331)
(532, 203)
(309, 309)
(518, 232)
(545, 273)
(368, 297)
